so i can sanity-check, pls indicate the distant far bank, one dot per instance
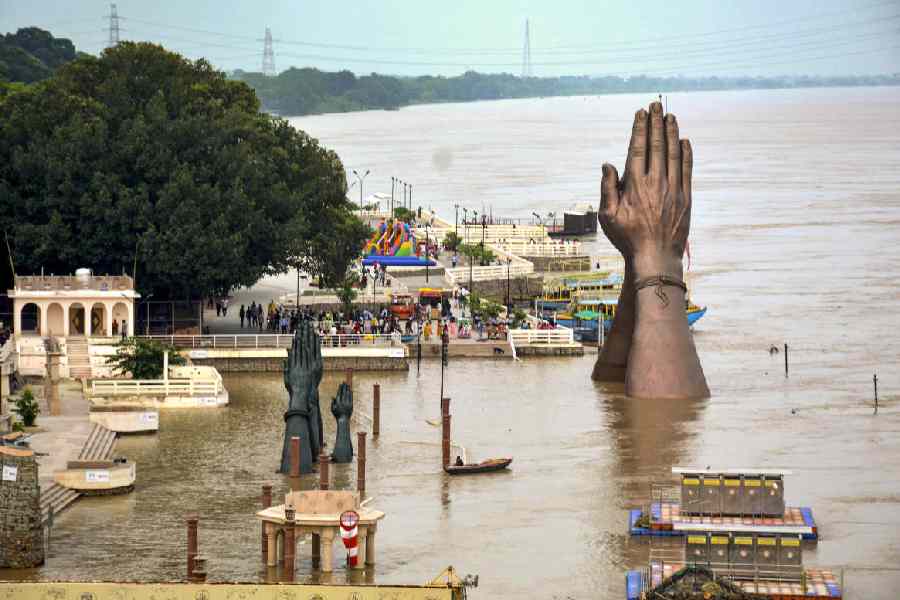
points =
(308, 91)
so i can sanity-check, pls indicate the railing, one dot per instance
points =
(461, 275)
(272, 340)
(543, 248)
(155, 387)
(558, 337)
(73, 282)
(472, 234)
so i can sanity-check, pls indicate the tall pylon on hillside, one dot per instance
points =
(113, 26)
(268, 59)
(526, 52)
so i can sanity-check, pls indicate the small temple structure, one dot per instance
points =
(77, 305)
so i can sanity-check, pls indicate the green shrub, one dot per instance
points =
(452, 241)
(27, 407)
(404, 214)
(477, 252)
(142, 358)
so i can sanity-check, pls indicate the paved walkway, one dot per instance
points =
(64, 435)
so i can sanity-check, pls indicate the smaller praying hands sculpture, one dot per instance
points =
(342, 408)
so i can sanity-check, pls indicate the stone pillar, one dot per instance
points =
(21, 530)
(131, 318)
(52, 382)
(271, 545)
(192, 544)
(88, 318)
(445, 431)
(370, 545)
(323, 470)
(66, 318)
(361, 464)
(109, 317)
(17, 316)
(44, 322)
(290, 547)
(376, 410)
(327, 536)
(266, 503)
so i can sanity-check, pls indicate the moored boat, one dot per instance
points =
(485, 466)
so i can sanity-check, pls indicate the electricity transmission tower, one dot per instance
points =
(113, 26)
(526, 52)
(268, 59)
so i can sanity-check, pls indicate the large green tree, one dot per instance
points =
(142, 157)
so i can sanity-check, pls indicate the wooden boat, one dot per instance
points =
(485, 466)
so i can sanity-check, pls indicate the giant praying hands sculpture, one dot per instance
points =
(647, 217)
(302, 375)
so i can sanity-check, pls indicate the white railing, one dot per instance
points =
(461, 275)
(472, 234)
(271, 340)
(555, 337)
(542, 249)
(155, 387)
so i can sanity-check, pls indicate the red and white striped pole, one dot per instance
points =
(350, 535)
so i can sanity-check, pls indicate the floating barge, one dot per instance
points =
(666, 521)
(819, 583)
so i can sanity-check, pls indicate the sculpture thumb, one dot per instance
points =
(609, 189)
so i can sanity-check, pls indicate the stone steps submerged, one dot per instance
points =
(98, 446)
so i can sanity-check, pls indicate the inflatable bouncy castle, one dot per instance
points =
(394, 245)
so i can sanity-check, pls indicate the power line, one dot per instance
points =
(653, 41)
(815, 45)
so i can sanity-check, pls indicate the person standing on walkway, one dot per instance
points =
(241, 315)
(218, 308)
(224, 307)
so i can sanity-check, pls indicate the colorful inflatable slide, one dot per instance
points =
(394, 245)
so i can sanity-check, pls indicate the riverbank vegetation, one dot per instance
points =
(141, 161)
(305, 91)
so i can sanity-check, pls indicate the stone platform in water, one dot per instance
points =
(666, 520)
(820, 583)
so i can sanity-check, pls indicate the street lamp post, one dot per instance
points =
(404, 194)
(426, 253)
(456, 220)
(393, 183)
(361, 179)
(508, 299)
(147, 325)
(483, 227)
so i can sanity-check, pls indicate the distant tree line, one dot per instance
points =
(32, 54)
(311, 91)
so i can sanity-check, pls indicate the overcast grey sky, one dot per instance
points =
(448, 37)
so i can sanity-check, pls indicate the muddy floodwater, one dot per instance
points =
(795, 239)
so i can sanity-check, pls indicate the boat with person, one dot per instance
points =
(485, 466)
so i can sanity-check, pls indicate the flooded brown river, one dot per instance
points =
(795, 239)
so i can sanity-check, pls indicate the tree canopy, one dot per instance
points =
(32, 54)
(143, 160)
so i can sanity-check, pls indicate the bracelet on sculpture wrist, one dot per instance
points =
(660, 281)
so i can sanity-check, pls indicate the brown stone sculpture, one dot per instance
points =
(647, 216)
